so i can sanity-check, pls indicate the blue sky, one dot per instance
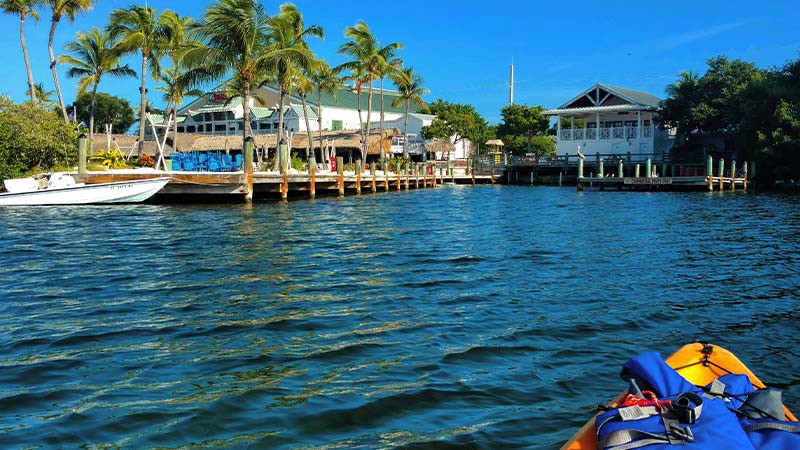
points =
(463, 49)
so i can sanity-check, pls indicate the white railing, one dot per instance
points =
(610, 133)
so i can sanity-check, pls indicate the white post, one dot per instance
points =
(558, 127)
(597, 127)
(639, 124)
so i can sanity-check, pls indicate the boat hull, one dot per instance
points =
(690, 362)
(102, 193)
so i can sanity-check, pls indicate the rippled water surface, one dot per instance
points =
(486, 317)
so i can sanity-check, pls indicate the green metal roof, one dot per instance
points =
(261, 113)
(347, 98)
(298, 110)
(219, 107)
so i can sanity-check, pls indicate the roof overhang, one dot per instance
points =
(596, 109)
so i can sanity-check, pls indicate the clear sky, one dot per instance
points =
(463, 49)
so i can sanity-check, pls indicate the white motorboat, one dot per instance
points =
(61, 189)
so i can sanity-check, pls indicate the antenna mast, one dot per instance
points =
(511, 84)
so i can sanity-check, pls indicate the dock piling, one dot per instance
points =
(733, 175)
(721, 173)
(359, 169)
(247, 166)
(83, 145)
(374, 174)
(340, 173)
(312, 173)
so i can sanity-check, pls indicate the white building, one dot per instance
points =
(610, 121)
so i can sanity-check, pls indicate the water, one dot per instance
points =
(455, 318)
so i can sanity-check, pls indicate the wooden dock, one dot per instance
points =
(239, 186)
(696, 183)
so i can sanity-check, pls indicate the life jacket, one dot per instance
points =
(714, 417)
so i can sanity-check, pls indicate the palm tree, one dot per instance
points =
(176, 86)
(235, 34)
(369, 59)
(61, 9)
(411, 91)
(288, 34)
(357, 77)
(389, 66)
(95, 53)
(326, 80)
(304, 86)
(23, 8)
(139, 29)
(42, 95)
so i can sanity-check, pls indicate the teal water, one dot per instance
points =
(455, 318)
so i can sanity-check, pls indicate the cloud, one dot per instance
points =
(678, 40)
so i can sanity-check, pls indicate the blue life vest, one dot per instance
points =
(715, 422)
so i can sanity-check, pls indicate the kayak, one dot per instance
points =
(700, 364)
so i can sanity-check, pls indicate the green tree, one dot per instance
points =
(176, 86)
(94, 54)
(23, 9)
(61, 9)
(520, 124)
(290, 51)
(42, 95)
(107, 109)
(411, 91)
(388, 66)
(326, 80)
(457, 122)
(369, 59)
(140, 30)
(32, 137)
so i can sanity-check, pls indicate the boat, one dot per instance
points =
(698, 363)
(61, 189)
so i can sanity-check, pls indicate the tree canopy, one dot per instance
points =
(32, 137)
(523, 125)
(108, 109)
(457, 121)
(756, 111)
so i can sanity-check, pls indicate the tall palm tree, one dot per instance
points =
(94, 53)
(288, 34)
(388, 66)
(411, 91)
(326, 80)
(139, 30)
(236, 41)
(23, 9)
(175, 84)
(369, 58)
(304, 86)
(61, 9)
(357, 77)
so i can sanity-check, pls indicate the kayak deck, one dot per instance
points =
(695, 363)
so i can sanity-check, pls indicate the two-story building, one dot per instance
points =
(610, 120)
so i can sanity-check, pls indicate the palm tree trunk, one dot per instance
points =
(361, 125)
(322, 151)
(382, 152)
(142, 105)
(247, 130)
(369, 117)
(280, 129)
(405, 131)
(91, 117)
(308, 126)
(175, 127)
(31, 86)
(53, 26)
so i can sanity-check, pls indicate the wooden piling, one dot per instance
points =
(312, 175)
(398, 175)
(733, 175)
(247, 167)
(648, 169)
(374, 173)
(721, 173)
(359, 169)
(416, 174)
(710, 173)
(636, 171)
(83, 146)
(744, 176)
(385, 176)
(620, 170)
(406, 168)
(340, 175)
(600, 169)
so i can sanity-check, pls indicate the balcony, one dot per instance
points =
(607, 134)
